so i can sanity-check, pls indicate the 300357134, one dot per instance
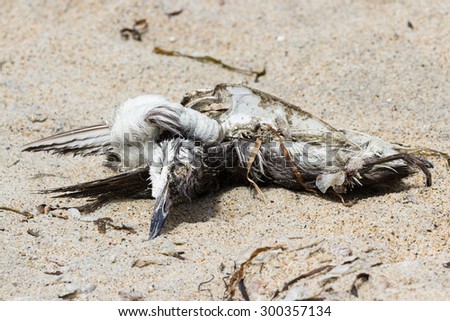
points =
(296, 310)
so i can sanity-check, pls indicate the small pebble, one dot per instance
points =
(74, 213)
(341, 251)
(88, 288)
(410, 199)
(131, 295)
(72, 287)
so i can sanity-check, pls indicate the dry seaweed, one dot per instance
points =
(13, 163)
(199, 288)
(55, 262)
(177, 255)
(360, 279)
(139, 28)
(321, 269)
(243, 290)
(123, 227)
(53, 273)
(423, 151)
(169, 249)
(27, 215)
(209, 59)
(306, 246)
(238, 274)
(104, 222)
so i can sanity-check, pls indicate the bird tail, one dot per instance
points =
(91, 140)
(134, 184)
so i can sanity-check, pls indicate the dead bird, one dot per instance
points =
(229, 131)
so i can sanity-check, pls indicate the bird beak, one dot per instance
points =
(161, 211)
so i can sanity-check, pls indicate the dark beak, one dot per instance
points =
(162, 208)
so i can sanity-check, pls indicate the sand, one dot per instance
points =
(380, 67)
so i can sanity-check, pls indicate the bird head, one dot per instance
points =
(175, 175)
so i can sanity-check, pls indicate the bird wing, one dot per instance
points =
(91, 140)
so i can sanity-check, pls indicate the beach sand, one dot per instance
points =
(380, 67)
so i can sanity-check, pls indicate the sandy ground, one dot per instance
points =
(356, 64)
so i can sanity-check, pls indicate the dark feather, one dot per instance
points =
(134, 184)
